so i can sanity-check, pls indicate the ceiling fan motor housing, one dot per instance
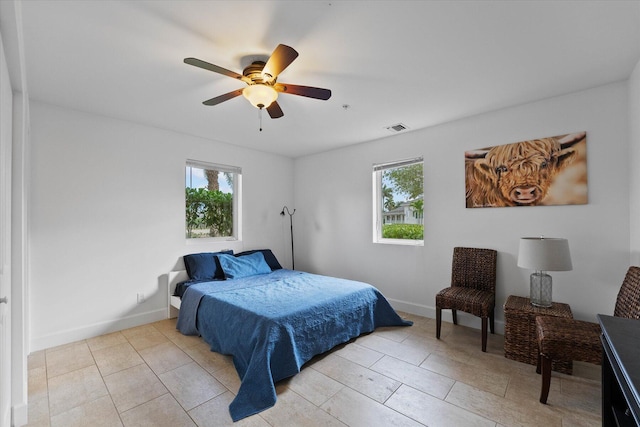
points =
(254, 72)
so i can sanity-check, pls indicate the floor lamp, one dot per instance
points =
(293, 262)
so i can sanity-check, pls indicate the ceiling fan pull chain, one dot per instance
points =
(260, 115)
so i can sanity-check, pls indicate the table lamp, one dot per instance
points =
(543, 254)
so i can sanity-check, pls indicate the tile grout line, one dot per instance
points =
(104, 383)
(559, 412)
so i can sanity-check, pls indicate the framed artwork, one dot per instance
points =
(546, 171)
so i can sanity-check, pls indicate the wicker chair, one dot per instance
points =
(473, 288)
(561, 339)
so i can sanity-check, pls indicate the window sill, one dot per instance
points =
(402, 242)
(199, 240)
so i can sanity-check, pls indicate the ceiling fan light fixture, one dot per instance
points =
(260, 95)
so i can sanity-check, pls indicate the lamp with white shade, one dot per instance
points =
(543, 254)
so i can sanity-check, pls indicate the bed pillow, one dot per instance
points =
(269, 257)
(204, 266)
(181, 287)
(244, 266)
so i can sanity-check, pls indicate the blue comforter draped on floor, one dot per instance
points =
(274, 323)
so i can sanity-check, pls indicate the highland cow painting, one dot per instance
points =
(546, 171)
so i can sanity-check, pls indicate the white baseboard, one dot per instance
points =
(96, 329)
(19, 415)
(430, 312)
(101, 328)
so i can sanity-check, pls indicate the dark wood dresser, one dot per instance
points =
(620, 371)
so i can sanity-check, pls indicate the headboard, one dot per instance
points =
(174, 277)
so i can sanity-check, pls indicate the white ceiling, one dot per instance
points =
(420, 63)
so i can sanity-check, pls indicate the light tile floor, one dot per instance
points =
(152, 375)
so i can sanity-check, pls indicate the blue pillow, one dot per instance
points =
(269, 257)
(244, 266)
(204, 266)
(181, 287)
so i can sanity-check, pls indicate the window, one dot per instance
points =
(213, 202)
(398, 216)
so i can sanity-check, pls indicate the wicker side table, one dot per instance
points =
(520, 341)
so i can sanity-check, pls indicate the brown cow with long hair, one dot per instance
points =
(517, 174)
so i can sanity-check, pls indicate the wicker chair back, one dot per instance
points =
(474, 268)
(628, 301)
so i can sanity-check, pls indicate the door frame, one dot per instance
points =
(6, 124)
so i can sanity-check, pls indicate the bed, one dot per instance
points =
(274, 321)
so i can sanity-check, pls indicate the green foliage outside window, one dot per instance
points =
(403, 231)
(208, 213)
(211, 200)
(407, 180)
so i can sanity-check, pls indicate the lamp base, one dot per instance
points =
(540, 289)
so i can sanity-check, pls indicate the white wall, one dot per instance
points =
(634, 161)
(107, 216)
(107, 222)
(334, 200)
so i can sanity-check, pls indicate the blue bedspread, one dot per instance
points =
(273, 323)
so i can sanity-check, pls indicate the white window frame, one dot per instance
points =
(378, 169)
(237, 200)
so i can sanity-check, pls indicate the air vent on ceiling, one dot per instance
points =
(397, 127)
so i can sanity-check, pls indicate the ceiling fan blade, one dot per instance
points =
(280, 59)
(227, 96)
(274, 110)
(216, 69)
(308, 91)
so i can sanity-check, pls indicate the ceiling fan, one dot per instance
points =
(261, 78)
